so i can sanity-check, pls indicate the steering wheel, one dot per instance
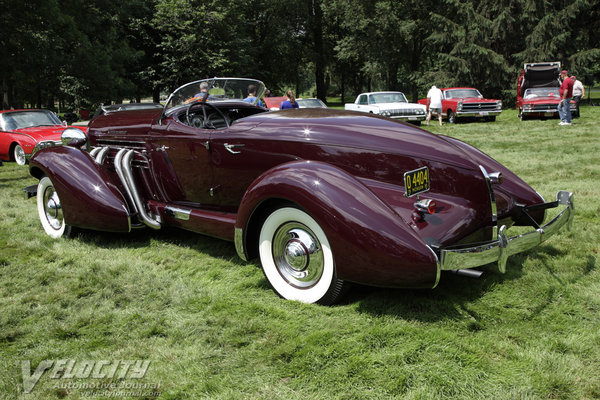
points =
(207, 123)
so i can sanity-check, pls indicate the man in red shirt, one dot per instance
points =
(566, 92)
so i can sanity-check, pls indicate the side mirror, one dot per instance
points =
(73, 137)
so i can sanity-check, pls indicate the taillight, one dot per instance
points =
(425, 206)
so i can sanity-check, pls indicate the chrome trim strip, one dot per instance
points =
(500, 249)
(238, 238)
(489, 182)
(179, 213)
(126, 164)
(490, 113)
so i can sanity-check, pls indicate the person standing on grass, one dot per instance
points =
(434, 103)
(578, 92)
(566, 92)
(290, 102)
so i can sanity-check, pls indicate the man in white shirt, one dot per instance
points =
(578, 92)
(434, 103)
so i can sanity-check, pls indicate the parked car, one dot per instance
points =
(537, 91)
(388, 104)
(273, 103)
(466, 102)
(22, 130)
(322, 197)
(310, 103)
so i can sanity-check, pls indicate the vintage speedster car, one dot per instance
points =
(465, 102)
(22, 130)
(389, 104)
(538, 91)
(322, 197)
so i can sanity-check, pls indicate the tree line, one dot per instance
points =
(78, 53)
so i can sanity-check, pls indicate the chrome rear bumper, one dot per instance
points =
(500, 249)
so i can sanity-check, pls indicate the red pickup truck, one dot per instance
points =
(462, 102)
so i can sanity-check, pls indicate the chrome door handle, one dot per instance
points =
(230, 147)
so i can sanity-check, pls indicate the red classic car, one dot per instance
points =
(22, 130)
(322, 197)
(464, 102)
(537, 91)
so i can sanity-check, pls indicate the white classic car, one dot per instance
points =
(389, 104)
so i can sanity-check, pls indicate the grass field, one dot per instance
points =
(211, 328)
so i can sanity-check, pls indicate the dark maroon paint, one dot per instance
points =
(344, 168)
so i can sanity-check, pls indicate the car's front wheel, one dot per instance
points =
(451, 117)
(522, 115)
(19, 155)
(50, 210)
(296, 258)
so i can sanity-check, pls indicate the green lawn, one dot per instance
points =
(212, 328)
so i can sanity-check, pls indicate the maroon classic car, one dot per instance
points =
(322, 197)
(22, 130)
(465, 102)
(537, 91)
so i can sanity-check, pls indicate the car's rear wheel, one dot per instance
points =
(296, 258)
(50, 210)
(451, 117)
(19, 155)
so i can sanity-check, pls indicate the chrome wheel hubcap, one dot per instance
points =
(52, 208)
(298, 255)
(19, 155)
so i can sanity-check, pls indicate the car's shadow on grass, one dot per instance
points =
(451, 297)
(140, 238)
(449, 300)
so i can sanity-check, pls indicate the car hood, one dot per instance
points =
(542, 100)
(473, 100)
(398, 106)
(41, 133)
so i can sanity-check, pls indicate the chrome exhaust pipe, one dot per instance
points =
(130, 183)
(101, 155)
(470, 273)
(119, 168)
(95, 151)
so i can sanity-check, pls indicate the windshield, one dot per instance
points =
(540, 92)
(217, 89)
(387, 97)
(310, 103)
(462, 93)
(28, 119)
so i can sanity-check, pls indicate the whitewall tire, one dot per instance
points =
(50, 210)
(19, 155)
(296, 258)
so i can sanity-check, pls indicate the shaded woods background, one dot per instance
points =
(80, 53)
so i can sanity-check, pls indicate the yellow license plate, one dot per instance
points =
(416, 181)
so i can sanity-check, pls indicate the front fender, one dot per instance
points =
(370, 242)
(88, 194)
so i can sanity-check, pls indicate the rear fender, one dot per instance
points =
(88, 193)
(370, 242)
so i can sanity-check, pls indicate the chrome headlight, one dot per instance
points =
(73, 137)
(459, 106)
(527, 106)
(500, 104)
